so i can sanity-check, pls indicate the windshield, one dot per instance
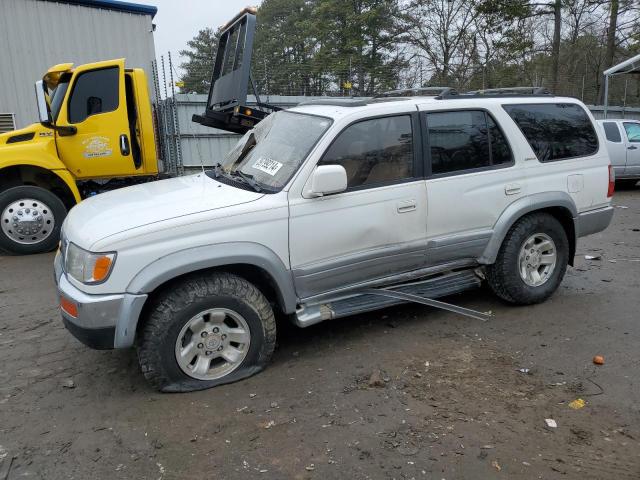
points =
(56, 96)
(272, 152)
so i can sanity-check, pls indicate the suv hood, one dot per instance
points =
(114, 212)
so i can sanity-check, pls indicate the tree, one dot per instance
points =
(201, 54)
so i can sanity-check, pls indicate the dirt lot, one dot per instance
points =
(448, 401)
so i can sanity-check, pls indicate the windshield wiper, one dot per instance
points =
(248, 179)
(217, 170)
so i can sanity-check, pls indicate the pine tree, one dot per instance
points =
(201, 55)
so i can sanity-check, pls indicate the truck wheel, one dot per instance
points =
(209, 330)
(532, 260)
(30, 220)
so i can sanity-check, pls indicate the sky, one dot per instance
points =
(178, 21)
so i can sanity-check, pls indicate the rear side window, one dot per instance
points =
(555, 131)
(633, 131)
(612, 132)
(465, 140)
(94, 92)
(374, 151)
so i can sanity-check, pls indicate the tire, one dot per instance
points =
(222, 294)
(51, 212)
(504, 276)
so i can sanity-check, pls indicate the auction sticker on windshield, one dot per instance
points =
(267, 165)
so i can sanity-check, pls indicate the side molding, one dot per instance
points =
(520, 208)
(217, 255)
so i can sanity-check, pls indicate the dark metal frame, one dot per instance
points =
(227, 102)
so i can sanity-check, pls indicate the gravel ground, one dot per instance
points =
(407, 392)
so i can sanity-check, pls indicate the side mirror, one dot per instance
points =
(43, 108)
(327, 179)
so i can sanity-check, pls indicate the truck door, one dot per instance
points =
(96, 107)
(632, 130)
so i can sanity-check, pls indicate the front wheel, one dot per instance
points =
(209, 330)
(30, 220)
(532, 260)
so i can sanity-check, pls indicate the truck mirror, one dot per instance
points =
(328, 179)
(43, 107)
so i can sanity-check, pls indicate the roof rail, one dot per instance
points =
(499, 92)
(418, 92)
(511, 91)
(338, 102)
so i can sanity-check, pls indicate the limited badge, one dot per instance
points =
(267, 166)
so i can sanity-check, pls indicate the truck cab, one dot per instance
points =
(96, 127)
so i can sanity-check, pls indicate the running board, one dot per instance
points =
(366, 300)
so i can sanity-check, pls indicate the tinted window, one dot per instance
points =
(94, 92)
(500, 151)
(555, 131)
(374, 151)
(465, 140)
(633, 131)
(612, 132)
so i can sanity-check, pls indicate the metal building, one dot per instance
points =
(36, 34)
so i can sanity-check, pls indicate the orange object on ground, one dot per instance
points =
(598, 360)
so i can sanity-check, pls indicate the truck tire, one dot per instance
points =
(30, 220)
(208, 330)
(531, 262)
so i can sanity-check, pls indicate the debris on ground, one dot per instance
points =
(598, 360)
(593, 257)
(376, 379)
(551, 423)
(523, 370)
(496, 465)
(577, 404)
(269, 424)
(310, 468)
(68, 383)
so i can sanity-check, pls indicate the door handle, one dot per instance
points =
(406, 206)
(632, 147)
(512, 189)
(125, 149)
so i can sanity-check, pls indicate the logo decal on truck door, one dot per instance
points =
(97, 147)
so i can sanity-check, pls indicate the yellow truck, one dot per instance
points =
(96, 124)
(97, 132)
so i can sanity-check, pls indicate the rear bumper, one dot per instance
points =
(593, 221)
(102, 321)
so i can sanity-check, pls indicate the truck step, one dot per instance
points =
(443, 285)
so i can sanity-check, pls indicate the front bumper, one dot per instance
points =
(102, 321)
(593, 221)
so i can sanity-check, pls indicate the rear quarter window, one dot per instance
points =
(612, 132)
(555, 131)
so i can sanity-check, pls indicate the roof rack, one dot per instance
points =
(511, 91)
(500, 92)
(418, 92)
(338, 102)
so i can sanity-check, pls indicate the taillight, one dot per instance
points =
(612, 182)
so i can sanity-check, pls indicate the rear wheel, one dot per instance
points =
(30, 220)
(532, 260)
(209, 330)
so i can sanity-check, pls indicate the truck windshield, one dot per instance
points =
(268, 155)
(56, 97)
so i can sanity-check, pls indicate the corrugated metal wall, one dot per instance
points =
(34, 35)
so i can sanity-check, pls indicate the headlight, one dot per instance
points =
(88, 267)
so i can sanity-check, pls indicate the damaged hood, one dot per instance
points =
(127, 208)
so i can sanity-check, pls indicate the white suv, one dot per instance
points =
(329, 209)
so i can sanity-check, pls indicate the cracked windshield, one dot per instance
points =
(267, 156)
